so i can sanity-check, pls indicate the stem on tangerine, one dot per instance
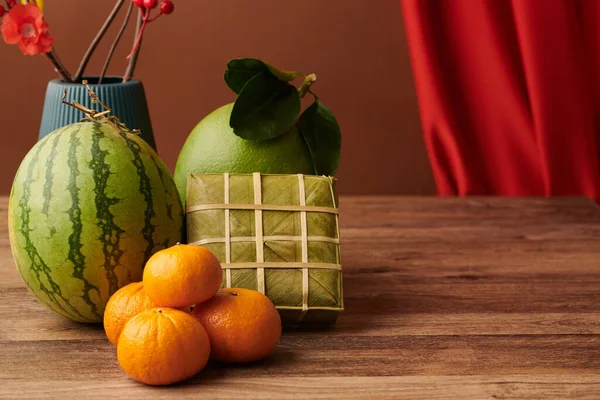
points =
(226, 292)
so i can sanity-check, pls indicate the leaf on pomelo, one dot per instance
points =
(265, 108)
(323, 137)
(241, 70)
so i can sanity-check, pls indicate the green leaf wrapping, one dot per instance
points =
(265, 109)
(282, 286)
(323, 137)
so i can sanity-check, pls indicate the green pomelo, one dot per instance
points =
(213, 148)
(89, 205)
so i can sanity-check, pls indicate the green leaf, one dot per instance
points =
(323, 137)
(265, 108)
(286, 76)
(241, 70)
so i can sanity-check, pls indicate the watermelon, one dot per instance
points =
(89, 205)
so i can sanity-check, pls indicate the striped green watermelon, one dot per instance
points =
(89, 205)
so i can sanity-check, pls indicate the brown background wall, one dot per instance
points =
(357, 48)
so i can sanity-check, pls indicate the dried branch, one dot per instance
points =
(58, 66)
(133, 60)
(116, 42)
(97, 39)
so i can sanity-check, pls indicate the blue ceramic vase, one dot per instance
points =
(127, 100)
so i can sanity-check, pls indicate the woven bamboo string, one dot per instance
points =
(281, 238)
(227, 233)
(258, 222)
(284, 265)
(303, 225)
(337, 248)
(263, 207)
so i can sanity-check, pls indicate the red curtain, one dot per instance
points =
(509, 93)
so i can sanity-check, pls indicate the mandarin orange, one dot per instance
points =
(123, 305)
(162, 346)
(243, 325)
(182, 275)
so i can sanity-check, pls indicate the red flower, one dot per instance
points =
(24, 25)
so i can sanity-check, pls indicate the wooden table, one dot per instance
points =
(483, 298)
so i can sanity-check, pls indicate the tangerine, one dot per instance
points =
(162, 346)
(181, 276)
(123, 305)
(243, 325)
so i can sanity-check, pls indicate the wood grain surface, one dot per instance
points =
(473, 298)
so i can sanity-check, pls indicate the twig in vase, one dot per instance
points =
(58, 66)
(34, 8)
(116, 42)
(96, 41)
(134, 57)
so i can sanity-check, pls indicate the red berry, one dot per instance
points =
(150, 4)
(2, 10)
(167, 7)
(138, 3)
